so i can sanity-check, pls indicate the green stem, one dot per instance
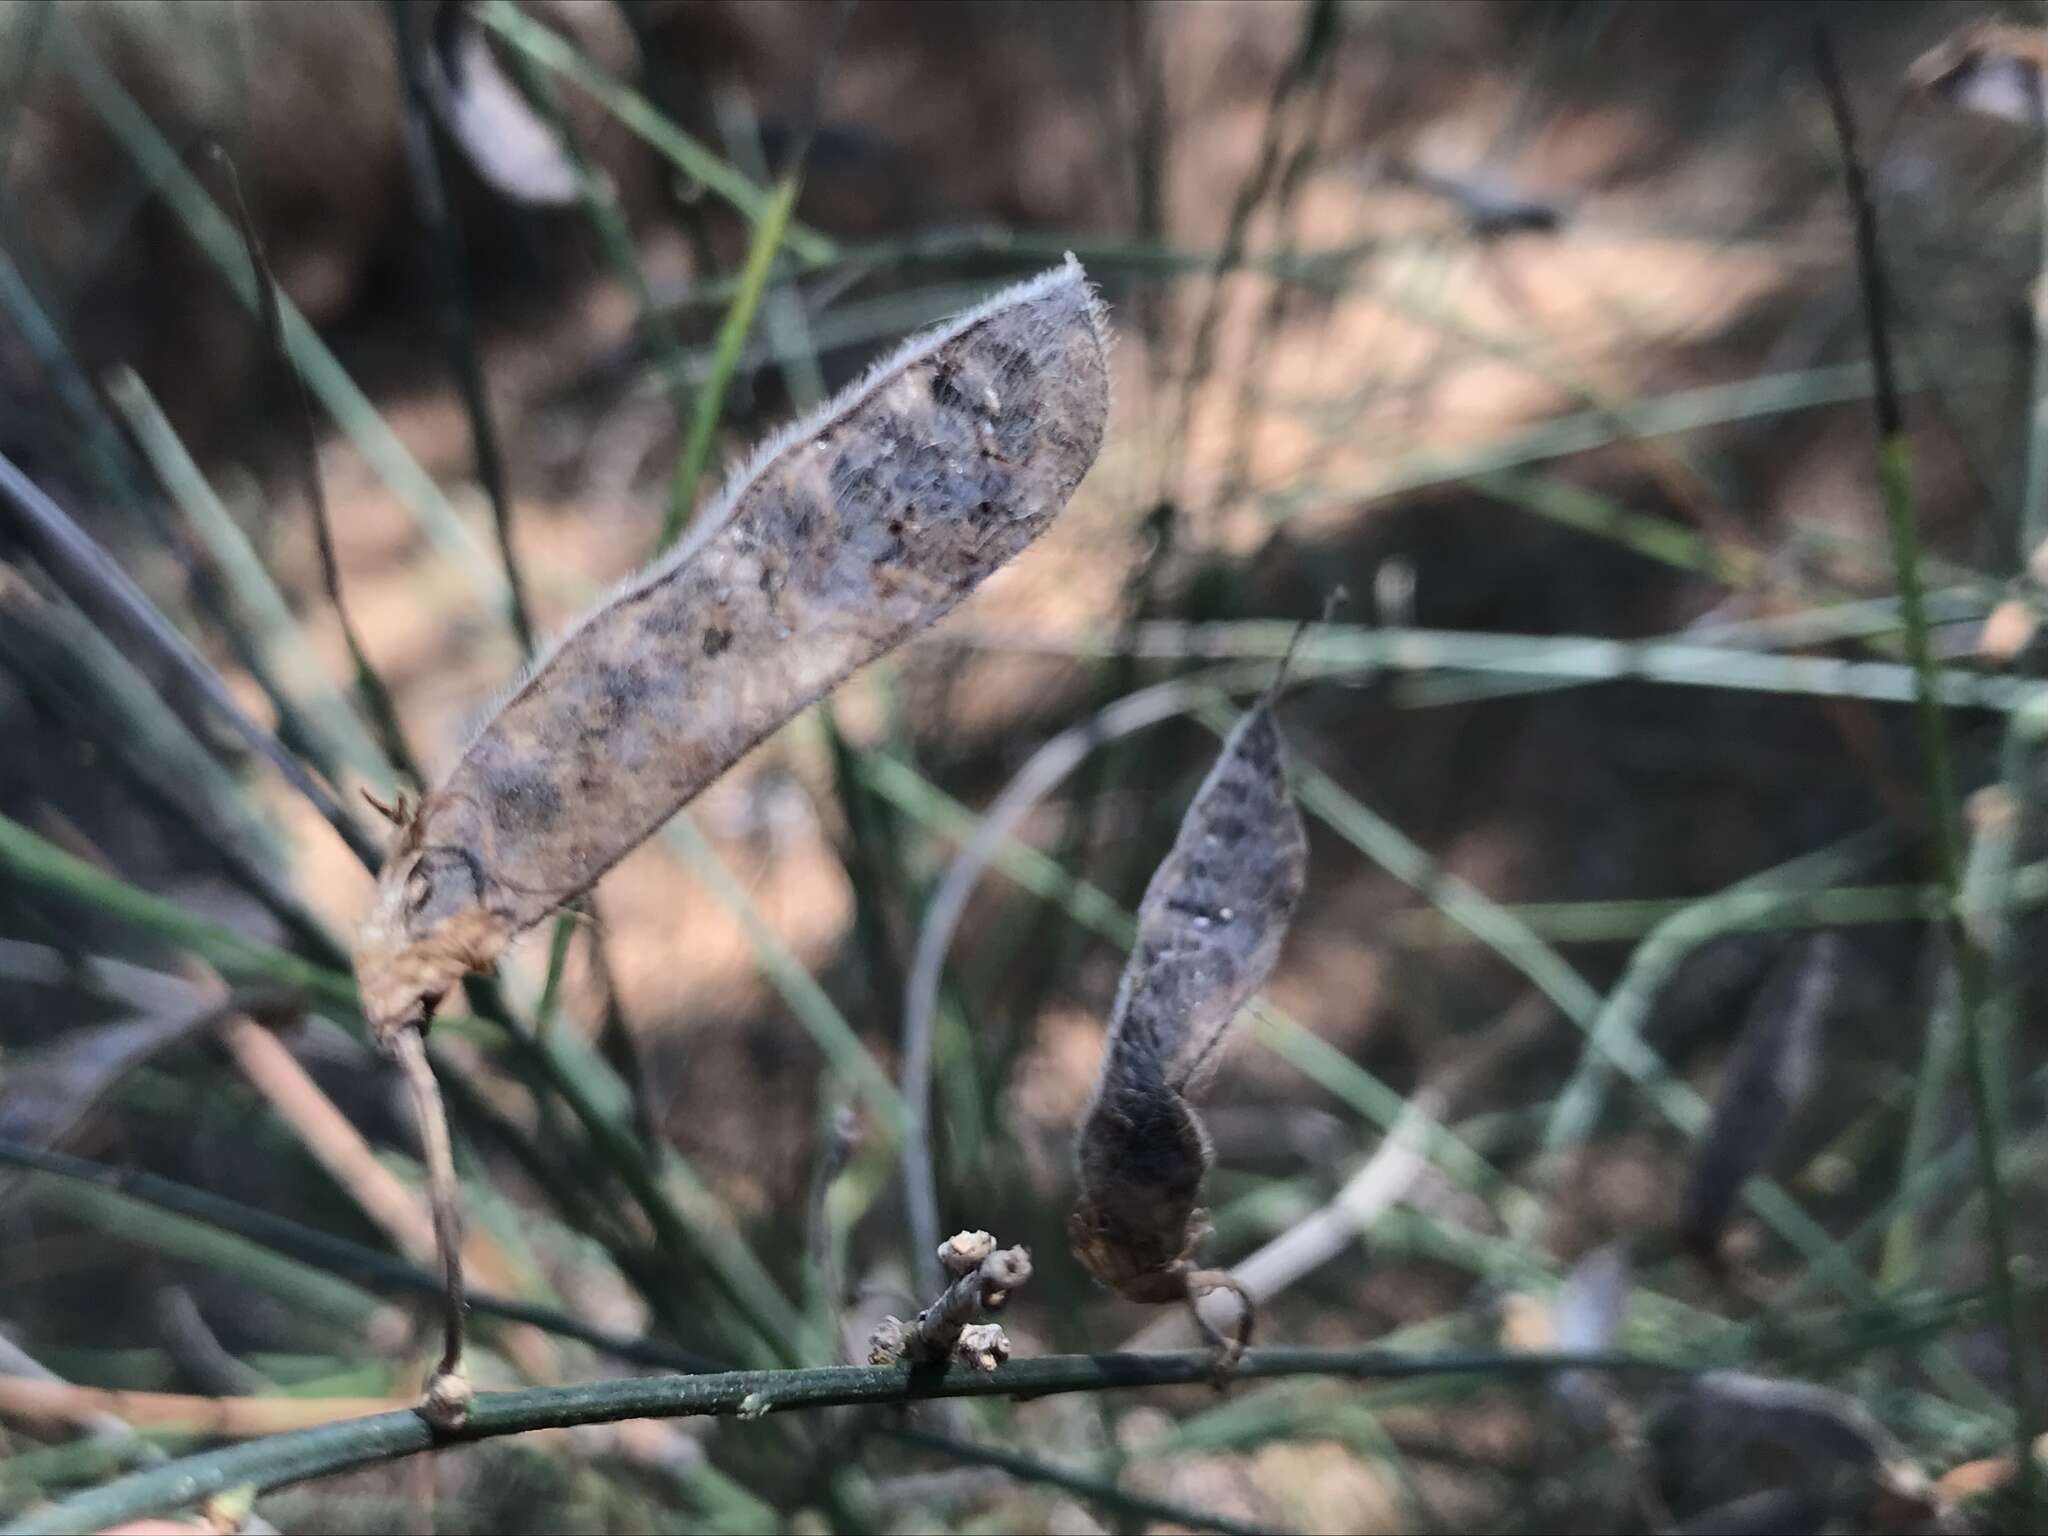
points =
(110, 1196)
(1895, 483)
(215, 235)
(769, 233)
(1564, 659)
(310, 1290)
(277, 1460)
(640, 116)
(27, 857)
(454, 309)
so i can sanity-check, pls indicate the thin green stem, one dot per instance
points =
(1572, 659)
(308, 1287)
(453, 307)
(813, 1006)
(324, 720)
(28, 858)
(640, 116)
(375, 698)
(324, 1255)
(607, 217)
(215, 235)
(1895, 485)
(1895, 481)
(277, 1460)
(769, 232)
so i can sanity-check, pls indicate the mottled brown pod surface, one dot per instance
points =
(1209, 931)
(841, 538)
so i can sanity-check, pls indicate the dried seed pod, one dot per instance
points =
(1209, 931)
(842, 537)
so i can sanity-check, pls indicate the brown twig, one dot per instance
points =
(339, 1148)
(446, 1401)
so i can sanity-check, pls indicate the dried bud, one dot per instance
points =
(982, 1346)
(447, 1400)
(964, 1251)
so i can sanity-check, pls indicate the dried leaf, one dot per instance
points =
(500, 134)
(1771, 1073)
(1986, 66)
(839, 539)
(1209, 931)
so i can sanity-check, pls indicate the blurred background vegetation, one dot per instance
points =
(1534, 327)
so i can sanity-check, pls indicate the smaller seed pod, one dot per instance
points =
(1209, 931)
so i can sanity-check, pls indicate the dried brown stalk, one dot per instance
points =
(448, 1393)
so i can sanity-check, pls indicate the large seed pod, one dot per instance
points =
(842, 537)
